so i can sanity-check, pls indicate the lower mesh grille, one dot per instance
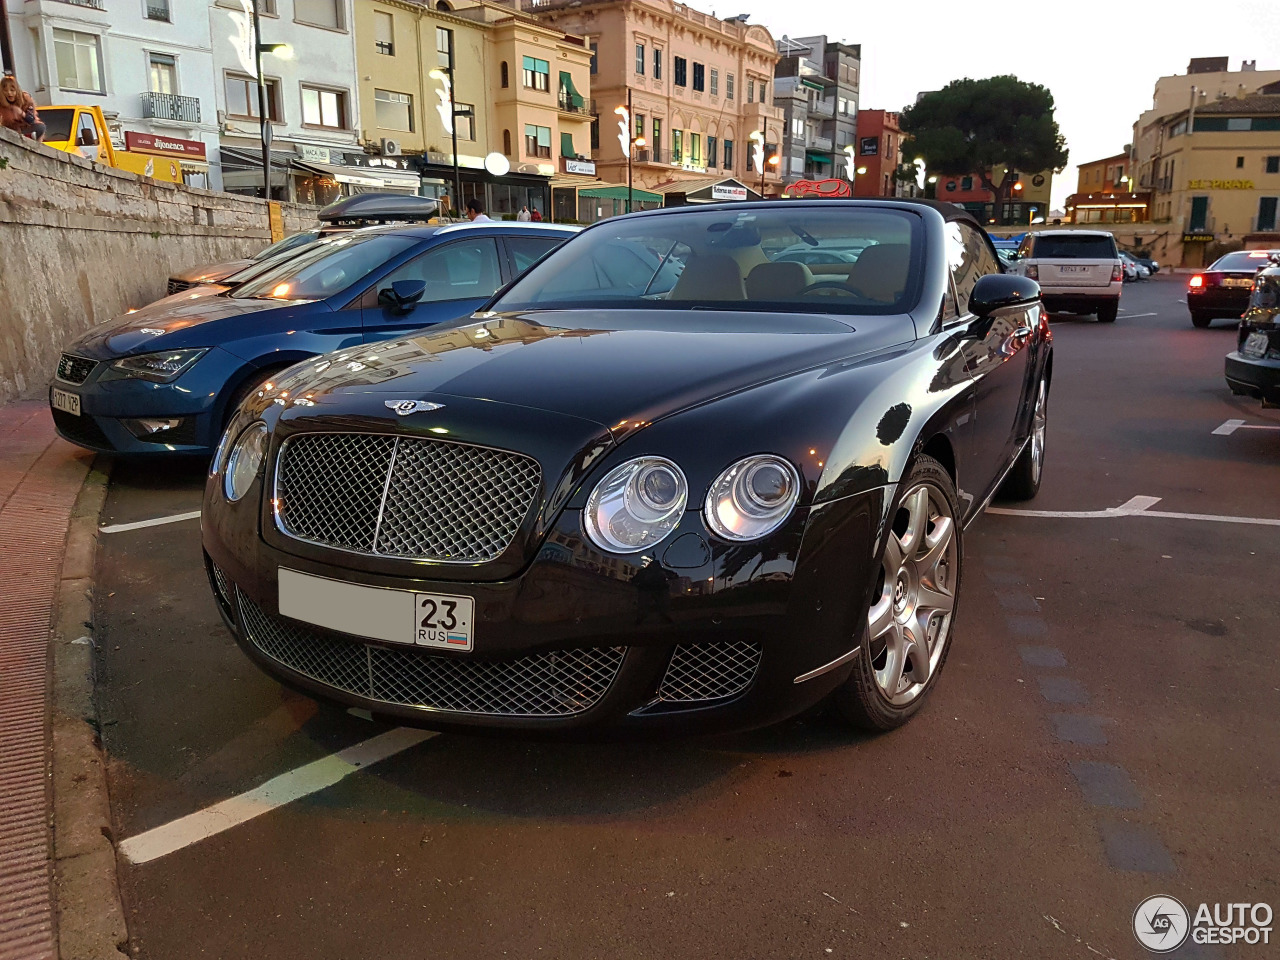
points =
(83, 430)
(709, 671)
(220, 581)
(559, 683)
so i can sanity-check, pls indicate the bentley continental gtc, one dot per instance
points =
(672, 479)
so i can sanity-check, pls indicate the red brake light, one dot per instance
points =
(1196, 281)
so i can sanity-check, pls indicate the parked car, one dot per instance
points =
(349, 213)
(1153, 266)
(1133, 270)
(669, 498)
(1078, 270)
(1253, 368)
(1223, 290)
(166, 378)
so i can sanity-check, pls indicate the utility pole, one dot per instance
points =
(630, 132)
(264, 124)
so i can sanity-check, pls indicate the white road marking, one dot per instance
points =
(157, 521)
(1136, 507)
(1231, 426)
(1132, 316)
(305, 780)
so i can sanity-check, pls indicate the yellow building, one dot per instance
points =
(519, 89)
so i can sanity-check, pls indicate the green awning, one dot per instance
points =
(566, 145)
(620, 193)
(818, 157)
(566, 84)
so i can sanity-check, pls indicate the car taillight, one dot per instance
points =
(1117, 271)
(1033, 272)
(1196, 281)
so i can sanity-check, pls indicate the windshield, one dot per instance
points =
(288, 243)
(323, 269)
(1249, 260)
(1075, 248)
(57, 123)
(835, 259)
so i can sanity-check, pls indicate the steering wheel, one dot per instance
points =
(829, 288)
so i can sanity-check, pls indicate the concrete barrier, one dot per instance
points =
(82, 243)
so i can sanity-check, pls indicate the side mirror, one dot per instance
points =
(402, 295)
(998, 290)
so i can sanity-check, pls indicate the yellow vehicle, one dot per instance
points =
(82, 130)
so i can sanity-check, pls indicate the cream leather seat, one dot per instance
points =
(783, 280)
(880, 272)
(711, 276)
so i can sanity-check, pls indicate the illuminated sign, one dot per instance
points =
(723, 191)
(1197, 238)
(820, 188)
(1219, 184)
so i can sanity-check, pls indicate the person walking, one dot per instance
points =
(523, 215)
(536, 216)
(475, 211)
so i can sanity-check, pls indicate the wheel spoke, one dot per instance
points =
(939, 544)
(892, 556)
(917, 506)
(880, 616)
(895, 661)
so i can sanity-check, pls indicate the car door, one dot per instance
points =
(527, 248)
(996, 354)
(460, 275)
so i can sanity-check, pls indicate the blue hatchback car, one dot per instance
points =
(166, 378)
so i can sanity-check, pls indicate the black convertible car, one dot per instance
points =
(668, 480)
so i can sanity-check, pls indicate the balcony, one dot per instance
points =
(648, 155)
(819, 144)
(585, 108)
(170, 106)
(91, 4)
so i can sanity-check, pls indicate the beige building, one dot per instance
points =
(519, 86)
(699, 87)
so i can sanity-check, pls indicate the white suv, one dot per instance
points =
(1078, 270)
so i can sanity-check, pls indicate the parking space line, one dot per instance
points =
(155, 522)
(276, 792)
(1231, 426)
(1134, 316)
(1135, 507)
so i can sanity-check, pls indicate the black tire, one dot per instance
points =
(250, 385)
(1200, 319)
(1107, 312)
(1023, 481)
(860, 699)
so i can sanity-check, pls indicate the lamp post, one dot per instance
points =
(758, 152)
(627, 143)
(283, 51)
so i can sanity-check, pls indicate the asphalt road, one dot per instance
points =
(1106, 729)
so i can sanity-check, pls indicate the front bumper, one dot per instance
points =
(710, 638)
(1254, 377)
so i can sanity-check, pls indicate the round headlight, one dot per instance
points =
(636, 505)
(752, 498)
(247, 454)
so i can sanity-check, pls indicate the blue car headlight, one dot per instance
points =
(163, 367)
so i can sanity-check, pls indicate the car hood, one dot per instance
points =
(619, 369)
(171, 323)
(213, 272)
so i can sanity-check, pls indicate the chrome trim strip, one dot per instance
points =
(827, 668)
(386, 489)
(996, 488)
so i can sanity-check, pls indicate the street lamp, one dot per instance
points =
(453, 113)
(284, 52)
(757, 151)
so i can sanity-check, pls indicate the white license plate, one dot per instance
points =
(1237, 282)
(1072, 269)
(66, 401)
(441, 621)
(1255, 345)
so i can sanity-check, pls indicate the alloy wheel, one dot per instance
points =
(910, 615)
(1039, 423)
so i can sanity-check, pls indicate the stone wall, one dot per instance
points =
(82, 243)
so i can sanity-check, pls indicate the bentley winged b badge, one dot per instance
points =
(406, 407)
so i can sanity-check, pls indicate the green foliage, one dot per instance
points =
(155, 234)
(4, 163)
(972, 126)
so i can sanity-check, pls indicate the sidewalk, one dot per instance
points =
(40, 477)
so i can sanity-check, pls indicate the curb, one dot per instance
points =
(90, 915)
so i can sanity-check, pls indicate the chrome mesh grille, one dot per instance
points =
(709, 671)
(75, 370)
(220, 581)
(404, 496)
(559, 683)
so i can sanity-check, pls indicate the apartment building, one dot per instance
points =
(816, 84)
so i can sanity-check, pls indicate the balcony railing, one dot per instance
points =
(170, 106)
(91, 4)
(158, 10)
(583, 107)
(648, 155)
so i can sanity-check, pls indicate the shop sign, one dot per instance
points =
(1219, 184)
(168, 146)
(313, 154)
(585, 167)
(1197, 238)
(723, 191)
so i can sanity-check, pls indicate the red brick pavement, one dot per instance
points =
(40, 477)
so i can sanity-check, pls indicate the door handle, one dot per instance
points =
(1022, 335)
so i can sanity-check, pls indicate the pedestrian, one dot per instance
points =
(475, 211)
(18, 111)
(536, 216)
(523, 215)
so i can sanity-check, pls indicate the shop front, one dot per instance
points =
(316, 176)
(502, 189)
(705, 190)
(189, 156)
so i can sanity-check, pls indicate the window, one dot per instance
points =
(462, 270)
(1236, 123)
(715, 82)
(158, 10)
(657, 63)
(655, 144)
(384, 33)
(242, 97)
(319, 13)
(751, 91)
(164, 73)
(324, 108)
(728, 87)
(537, 141)
(728, 155)
(79, 60)
(504, 73)
(699, 77)
(1273, 165)
(595, 50)
(595, 133)
(695, 149)
(639, 126)
(1266, 213)
(1239, 162)
(464, 122)
(1199, 214)
(677, 146)
(681, 68)
(506, 142)
(537, 74)
(526, 251)
(966, 183)
(393, 111)
(797, 127)
(444, 47)
(970, 258)
(640, 61)
(761, 90)
(323, 269)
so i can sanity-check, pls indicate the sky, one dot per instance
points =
(1100, 69)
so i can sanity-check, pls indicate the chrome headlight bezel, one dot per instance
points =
(161, 366)
(636, 505)
(735, 511)
(245, 461)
